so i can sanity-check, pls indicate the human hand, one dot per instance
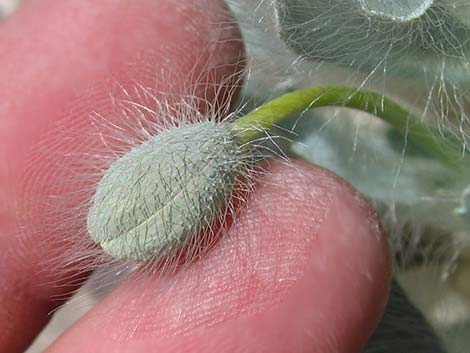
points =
(305, 269)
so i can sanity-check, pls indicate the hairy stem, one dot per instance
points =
(425, 137)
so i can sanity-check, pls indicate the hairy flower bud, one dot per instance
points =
(153, 198)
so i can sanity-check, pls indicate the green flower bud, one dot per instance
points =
(160, 193)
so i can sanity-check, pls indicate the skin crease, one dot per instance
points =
(304, 269)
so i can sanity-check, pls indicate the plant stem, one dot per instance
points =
(425, 137)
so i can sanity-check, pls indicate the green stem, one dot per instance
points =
(428, 139)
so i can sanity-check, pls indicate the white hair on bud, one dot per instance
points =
(150, 200)
(145, 182)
